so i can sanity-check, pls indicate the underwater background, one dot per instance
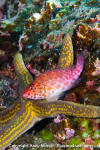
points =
(49, 34)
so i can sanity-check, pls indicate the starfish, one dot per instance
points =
(24, 113)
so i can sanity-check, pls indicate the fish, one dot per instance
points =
(51, 84)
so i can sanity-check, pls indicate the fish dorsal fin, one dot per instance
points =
(67, 55)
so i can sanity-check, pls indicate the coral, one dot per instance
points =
(38, 2)
(92, 2)
(38, 21)
(98, 89)
(18, 13)
(58, 119)
(33, 71)
(1, 14)
(97, 67)
(52, 41)
(7, 46)
(86, 36)
(69, 133)
(37, 28)
(96, 19)
(55, 3)
(90, 84)
(89, 141)
(65, 131)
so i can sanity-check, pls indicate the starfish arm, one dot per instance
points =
(24, 77)
(50, 109)
(22, 117)
(24, 114)
(67, 54)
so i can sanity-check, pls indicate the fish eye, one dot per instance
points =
(31, 88)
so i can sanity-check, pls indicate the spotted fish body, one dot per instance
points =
(51, 84)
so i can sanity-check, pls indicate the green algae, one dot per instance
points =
(97, 142)
(96, 134)
(76, 142)
(46, 135)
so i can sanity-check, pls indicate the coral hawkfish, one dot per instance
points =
(51, 84)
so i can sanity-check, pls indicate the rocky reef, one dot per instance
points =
(38, 29)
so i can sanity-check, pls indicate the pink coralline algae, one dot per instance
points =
(65, 136)
(90, 84)
(69, 133)
(58, 119)
(32, 70)
(98, 89)
(88, 144)
(89, 141)
(1, 14)
(52, 40)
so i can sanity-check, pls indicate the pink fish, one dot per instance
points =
(50, 85)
